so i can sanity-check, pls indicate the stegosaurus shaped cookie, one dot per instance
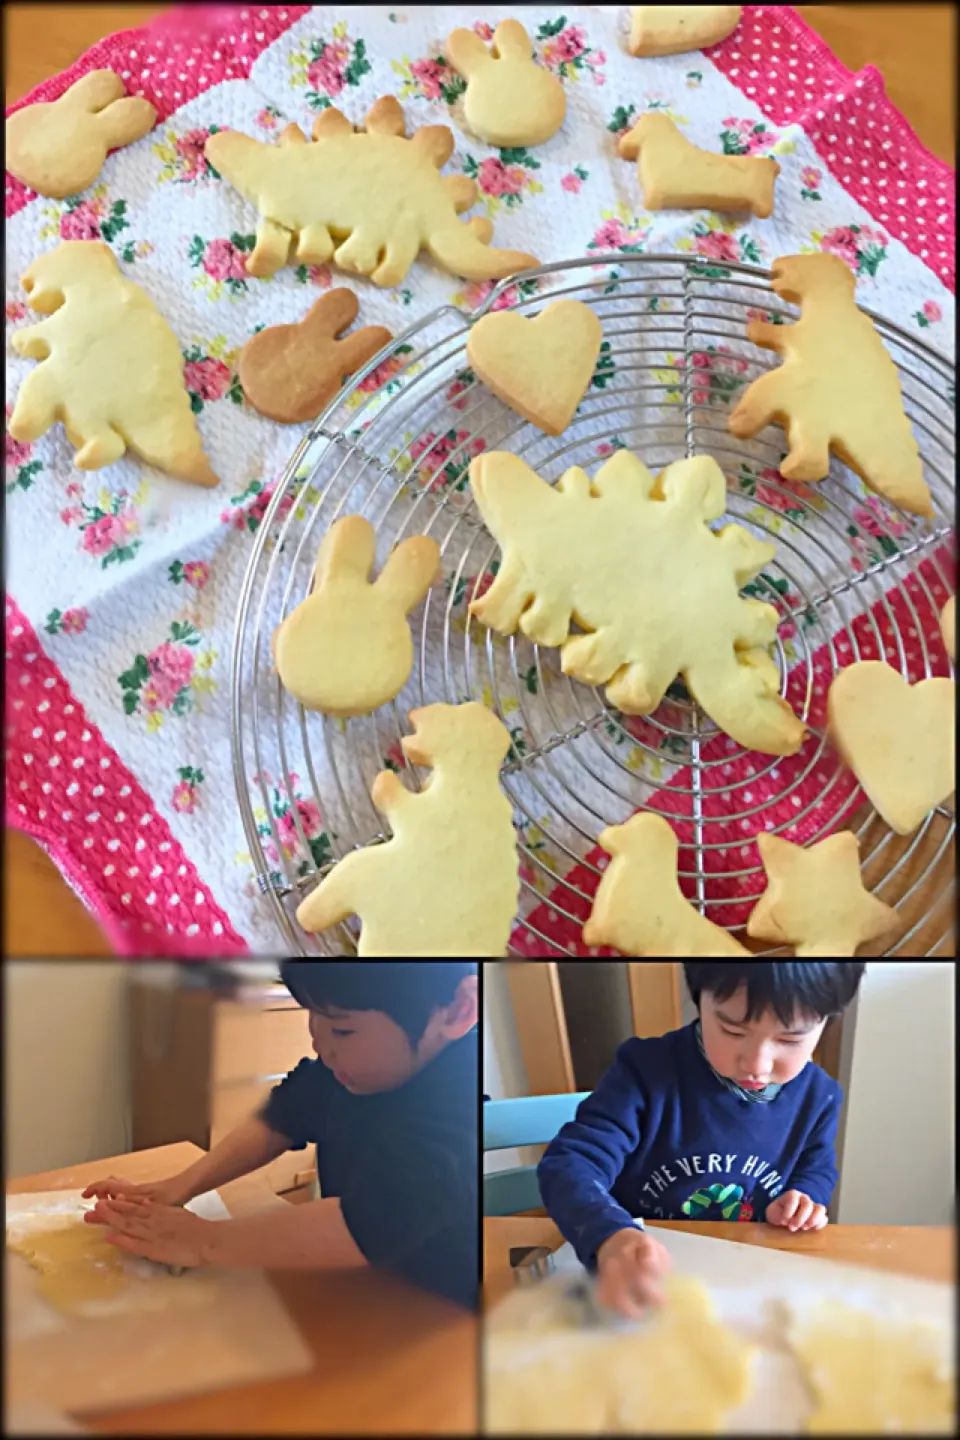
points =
(375, 192)
(632, 561)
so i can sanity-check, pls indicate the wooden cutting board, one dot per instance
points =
(240, 1333)
(754, 1289)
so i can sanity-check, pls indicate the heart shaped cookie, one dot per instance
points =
(897, 738)
(542, 367)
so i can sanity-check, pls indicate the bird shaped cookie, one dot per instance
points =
(58, 146)
(509, 100)
(347, 648)
(290, 372)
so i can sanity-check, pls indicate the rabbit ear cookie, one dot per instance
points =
(57, 147)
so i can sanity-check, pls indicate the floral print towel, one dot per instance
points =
(123, 586)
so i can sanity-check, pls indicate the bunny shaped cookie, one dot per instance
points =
(347, 648)
(509, 99)
(290, 372)
(57, 147)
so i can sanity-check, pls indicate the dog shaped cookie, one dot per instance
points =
(509, 100)
(447, 883)
(290, 372)
(633, 561)
(347, 648)
(367, 200)
(57, 147)
(838, 389)
(677, 175)
(639, 908)
(111, 368)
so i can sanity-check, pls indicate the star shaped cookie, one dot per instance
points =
(815, 899)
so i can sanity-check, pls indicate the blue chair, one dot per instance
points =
(531, 1120)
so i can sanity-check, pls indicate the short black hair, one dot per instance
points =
(814, 988)
(407, 990)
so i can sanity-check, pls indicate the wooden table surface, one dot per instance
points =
(912, 45)
(925, 1251)
(390, 1359)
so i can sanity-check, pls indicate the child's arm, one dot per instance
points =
(581, 1165)
(290, 1237)
(251, 1144)
(815, 1173)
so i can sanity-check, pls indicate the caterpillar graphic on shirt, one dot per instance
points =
(727, 1198)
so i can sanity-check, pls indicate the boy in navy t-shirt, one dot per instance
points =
(724, 1119)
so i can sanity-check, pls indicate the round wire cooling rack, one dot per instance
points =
(853, 578)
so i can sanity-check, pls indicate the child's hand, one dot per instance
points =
(173, 1191)
(796, 1211)
(629, 1267)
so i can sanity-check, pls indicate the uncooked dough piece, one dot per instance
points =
(872, 1375)
(76, 1264)
(679, 1372)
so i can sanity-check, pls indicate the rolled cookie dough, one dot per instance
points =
(78, 1266)
(679, 1372)
(871, 1375)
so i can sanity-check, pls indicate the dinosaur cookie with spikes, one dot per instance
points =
(110, 367)
(347, 648)
(290, 372)
(633, 561)
(509, 100)
(639, 908)
(837, 389)
(368, 200)
(447, 883)
(58, 146)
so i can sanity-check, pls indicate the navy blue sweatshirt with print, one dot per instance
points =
(662, 1138)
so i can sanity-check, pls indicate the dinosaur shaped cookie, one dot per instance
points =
(675, 174)
(368, 200)
(632, 560)
(347, 649)
(509, 100)
(837, 389)
(290, 372)
(111, 368)
(447, 883)
(58, 146)
(639, 908)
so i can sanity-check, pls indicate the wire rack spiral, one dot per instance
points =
(395, 446)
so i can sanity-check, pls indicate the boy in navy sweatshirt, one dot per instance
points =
(724, 1119)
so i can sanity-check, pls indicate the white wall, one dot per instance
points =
(67, 1095)
(897, 1067)
(504, 1074)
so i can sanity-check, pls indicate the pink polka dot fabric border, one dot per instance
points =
(868, 146)
(170, 61)
(67, 789)
(802, 797)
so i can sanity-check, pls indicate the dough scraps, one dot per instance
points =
(872, 1375)
(679, 1372)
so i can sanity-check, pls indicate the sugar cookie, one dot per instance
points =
(639, 908)
(676, 29)
(509, 100)
(947, 628)
(897, 738)
(540, 367)
(347, 648)
(677, 175)
(111, 368)
(837, 389)
(57, 147)
(447, 883)
(290, 372)
(815, 899)
(633, 560)
(368, 200)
